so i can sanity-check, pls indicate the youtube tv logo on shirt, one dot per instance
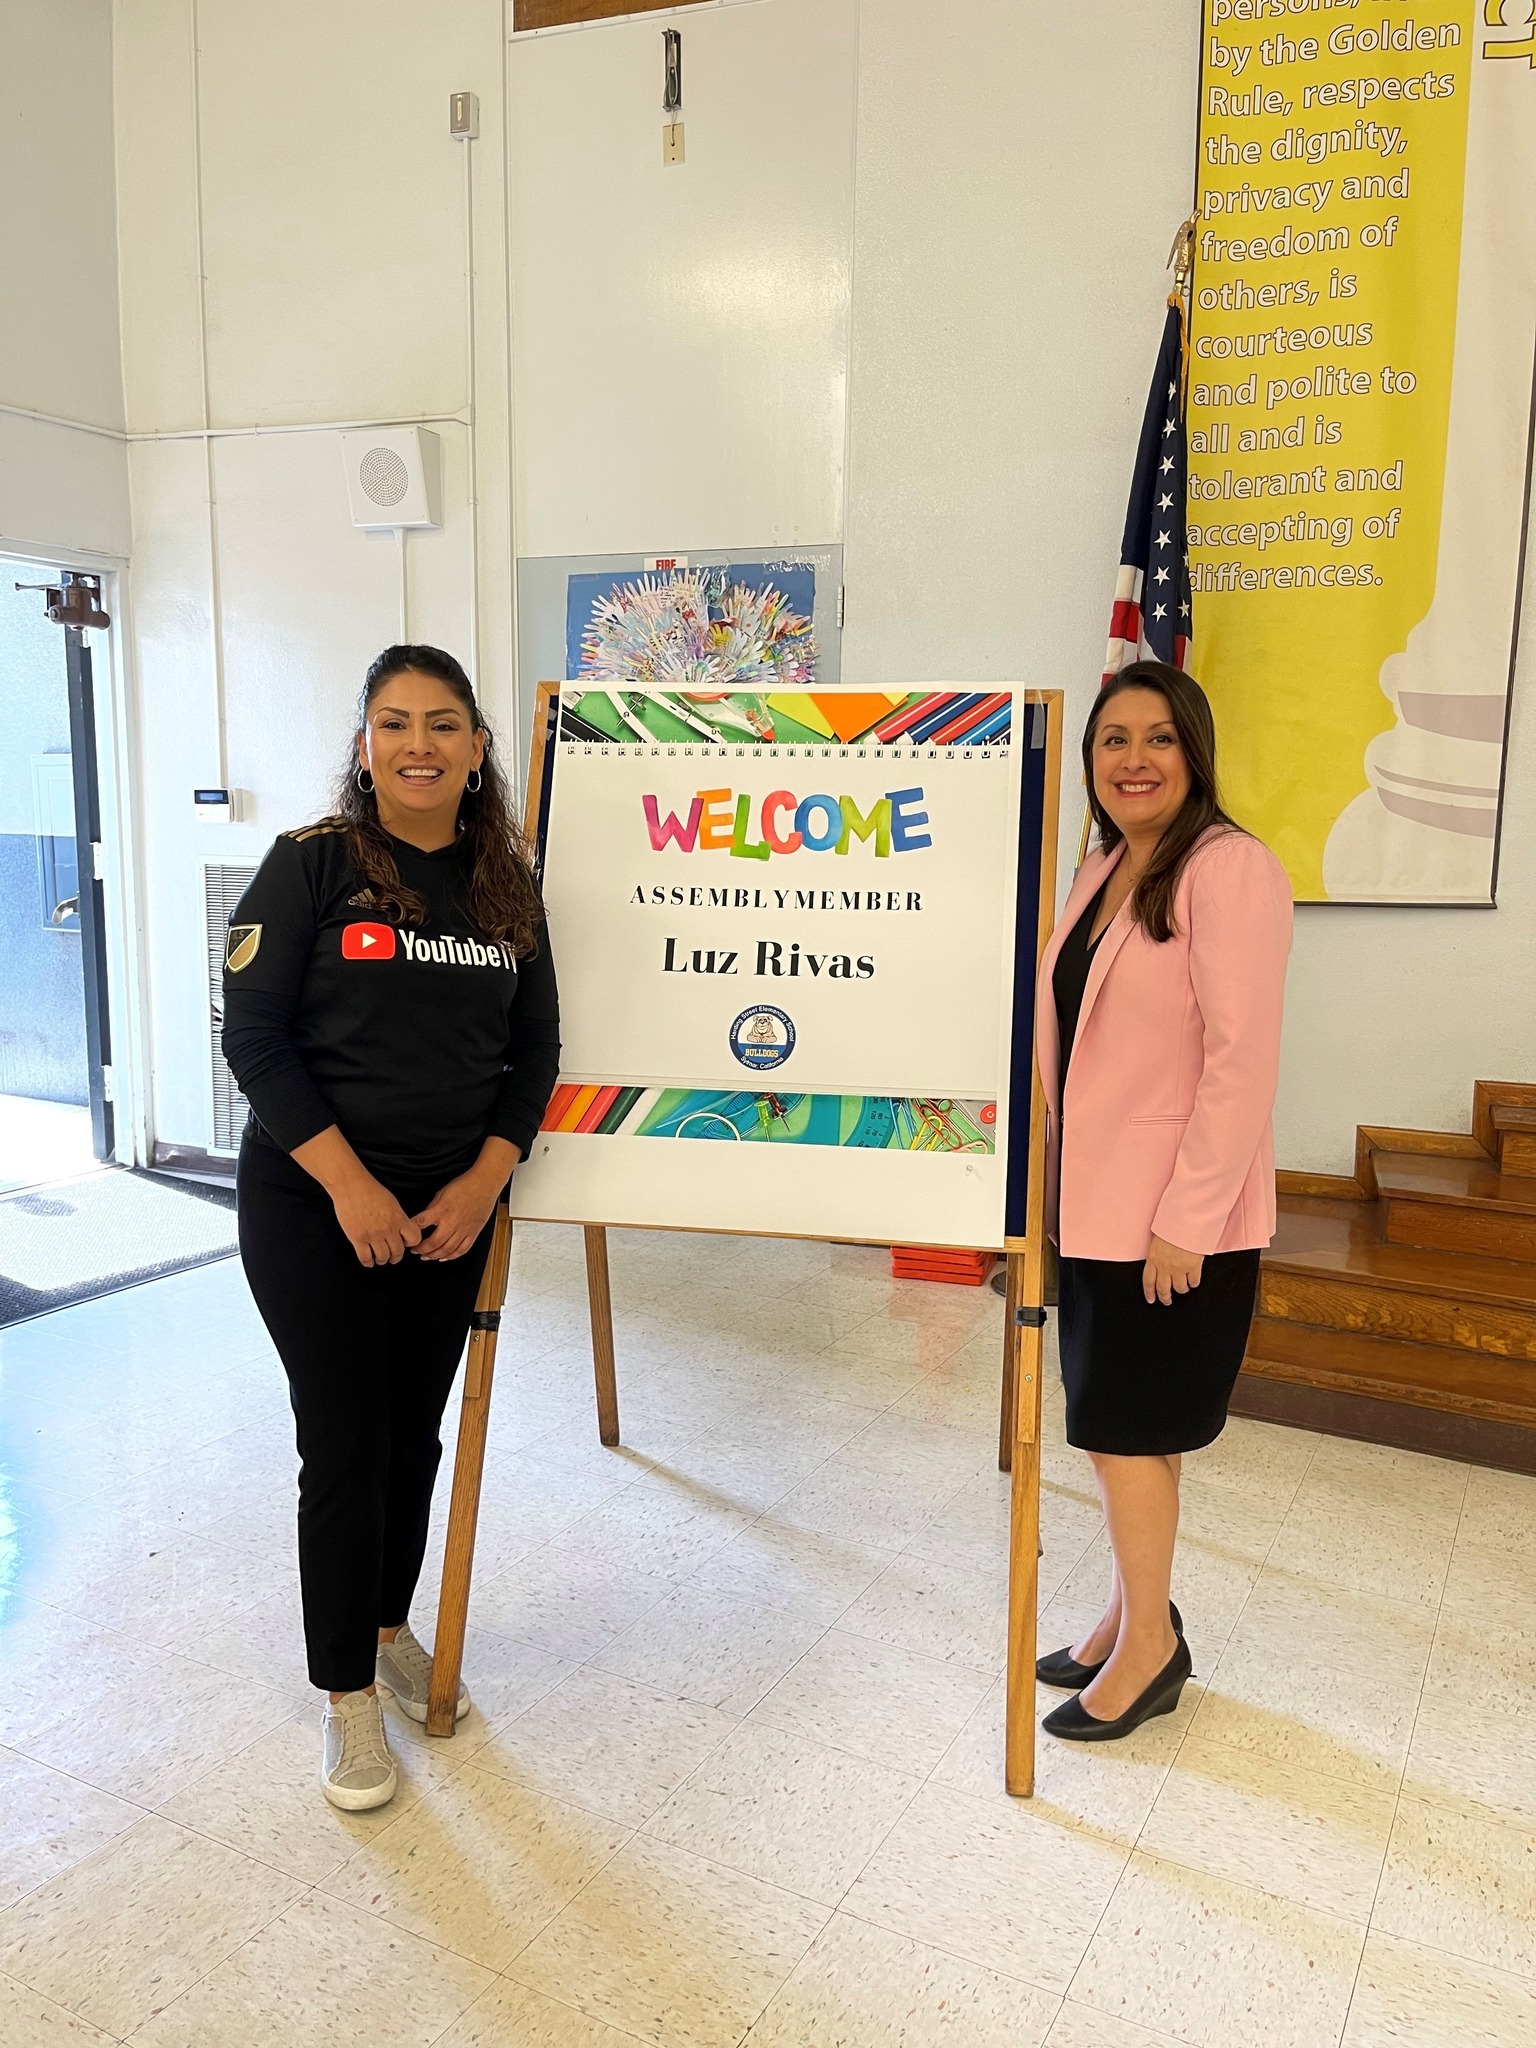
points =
(367, 942)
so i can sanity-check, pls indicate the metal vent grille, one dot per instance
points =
(224, 883)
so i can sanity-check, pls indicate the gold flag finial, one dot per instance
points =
(1181, 257)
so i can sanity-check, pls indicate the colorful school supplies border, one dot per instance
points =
(864, 1122)
(674, 718)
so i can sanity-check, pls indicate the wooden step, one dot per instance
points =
(1440, 1432)
(1439, 1376)
(1399, 1305)
(1330, 1268)
(1515, 1126)
(1500, 1107)
(1457, 1205)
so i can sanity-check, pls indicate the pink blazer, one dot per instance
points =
(1172, 1079)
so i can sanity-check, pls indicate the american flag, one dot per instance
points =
(1152, 614)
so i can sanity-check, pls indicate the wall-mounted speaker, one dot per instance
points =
(393, 476)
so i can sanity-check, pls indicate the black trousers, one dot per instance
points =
(370, 1354)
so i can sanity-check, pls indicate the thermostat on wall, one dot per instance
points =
(216, 806)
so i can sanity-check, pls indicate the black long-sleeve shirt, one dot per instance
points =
(418, 1041)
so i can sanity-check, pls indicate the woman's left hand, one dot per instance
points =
(1168, 1271)
(459, 1211)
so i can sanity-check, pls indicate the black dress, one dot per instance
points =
(1142, 1380)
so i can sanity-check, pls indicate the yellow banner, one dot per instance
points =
(1362, 334)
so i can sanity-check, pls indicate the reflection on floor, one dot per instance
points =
(42, 1141)
(734, 1770)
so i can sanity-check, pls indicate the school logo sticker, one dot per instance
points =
(242, 946)
(762, 1039)
(367, 942)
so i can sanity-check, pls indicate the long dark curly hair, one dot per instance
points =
(503, 898)
(1190, 710)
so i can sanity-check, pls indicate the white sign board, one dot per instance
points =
(786, 962)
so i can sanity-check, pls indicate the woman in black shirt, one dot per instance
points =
(390, 1014)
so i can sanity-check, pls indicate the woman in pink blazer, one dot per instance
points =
(1158, 1041)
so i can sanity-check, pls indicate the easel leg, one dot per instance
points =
(1005, 1422)
(468, 1469)
(600, 1302)
(1024, 1545)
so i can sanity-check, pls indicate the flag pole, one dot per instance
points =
(1181, 261)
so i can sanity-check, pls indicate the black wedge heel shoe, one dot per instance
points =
(1061, 1669)
(1072, 1721)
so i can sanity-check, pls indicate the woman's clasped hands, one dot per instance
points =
(381, 1233)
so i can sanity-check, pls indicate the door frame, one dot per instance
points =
(90, 898)
(118, 861)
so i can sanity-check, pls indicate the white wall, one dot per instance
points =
(681, 333)
(905, 293)
(62, 490)
(1009, 257)
(333, 211)
(1393, 1014)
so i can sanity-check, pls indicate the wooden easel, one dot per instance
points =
(1022, 1351)
(469, 1457)
(1023, 1358)
(1019, 1438)
(468, 1466)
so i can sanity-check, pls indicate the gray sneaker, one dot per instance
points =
(405, 1669)
(357, 1771)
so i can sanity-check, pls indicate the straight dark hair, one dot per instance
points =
(503, 898)
(1190, 710)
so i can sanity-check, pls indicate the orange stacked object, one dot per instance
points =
(925, 1262)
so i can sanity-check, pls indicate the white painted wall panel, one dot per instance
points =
(332, 196)
(174, 716)
(59, 490)
(152, 50)
(58, 234)
(308, 601)
(1391, 1015)
(1015, 205)
(681, 332)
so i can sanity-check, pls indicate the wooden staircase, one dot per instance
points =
(1399, 1304)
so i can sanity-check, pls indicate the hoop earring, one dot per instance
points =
(365, 787)
(472, 782)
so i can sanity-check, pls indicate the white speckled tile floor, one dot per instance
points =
(734, 1772)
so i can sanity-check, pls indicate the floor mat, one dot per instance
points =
(79, 1238)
